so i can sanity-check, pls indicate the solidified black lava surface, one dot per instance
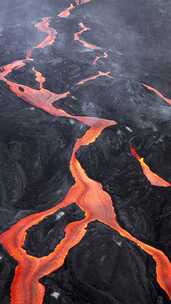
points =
(35, 147)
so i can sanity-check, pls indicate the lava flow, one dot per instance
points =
(67, 12)
(39, 78)
(44, 99)
(104, 56)
(153, 178)
(77, 37)
(99, 74)
(86, 193)
(8, 68)
(43, 26)
(168, 100)
(29, 290)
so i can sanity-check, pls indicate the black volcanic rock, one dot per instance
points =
(35, 147)
(42, 239)
(34, 156)
(100, 268)
(138, 204)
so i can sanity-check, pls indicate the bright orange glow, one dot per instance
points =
(8, 68)
(43, 99)
(99, 74)
(66, 13)
(39, 78)
(168, 100)
(87, 193)
(43, 26)
(153, 178)
(77, 37)
(105, 55)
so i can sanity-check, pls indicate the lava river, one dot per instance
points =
(86, 193)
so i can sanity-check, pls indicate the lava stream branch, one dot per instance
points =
(43, 99)
(103, 56)
(43, 26)
(99, 74)
(39, 78)
(156, 92)
(67, 12)
(77, 37)
(15, 65)
(163, 265)
(153, 178)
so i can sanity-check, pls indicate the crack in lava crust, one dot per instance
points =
(87, 193)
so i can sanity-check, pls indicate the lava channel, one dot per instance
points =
(104, 56)
(77, 37)
(43, 26)
(67, 12)
(99, 74)
(152, 177)
(155, 91)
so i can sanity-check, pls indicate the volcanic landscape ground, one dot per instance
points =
(85, 152)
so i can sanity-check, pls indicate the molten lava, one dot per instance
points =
(99, 74)
(87, 193)
(43, 26)
(8, 68)
(39, 78)
(153, 178)
(105, 55)
(168, 100)
(77, 37)
(67, 11)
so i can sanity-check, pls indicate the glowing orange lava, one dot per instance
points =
(8, 68)
(43, 26)
(77, 37)
(168, 100)
(67, 11)
(153, 178)
(39, 78)
(99, 74)
(105, 55)
(87, 193)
